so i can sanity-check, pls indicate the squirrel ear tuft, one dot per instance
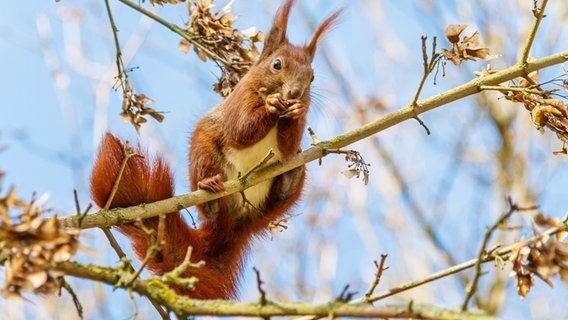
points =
(277, 34)
(329, 23)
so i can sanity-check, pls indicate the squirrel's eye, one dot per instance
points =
(312, 80)
(277, 64)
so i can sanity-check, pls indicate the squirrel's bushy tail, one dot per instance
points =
(147, 180)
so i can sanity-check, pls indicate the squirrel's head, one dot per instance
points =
(286, 68)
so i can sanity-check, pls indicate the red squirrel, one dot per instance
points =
(266, 110)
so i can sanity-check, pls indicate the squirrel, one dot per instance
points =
(266, 110)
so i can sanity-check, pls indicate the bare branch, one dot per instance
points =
(482, 251)
(378, 274)
(119, 216)
(184, 307)
(501, 253)
(262, 299)
(65, 285)
(538, 13)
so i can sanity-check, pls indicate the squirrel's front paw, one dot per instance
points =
(212, 184)
(276, 104)
(297, 109)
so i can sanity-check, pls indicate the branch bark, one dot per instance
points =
(184, 307)
(106, 218)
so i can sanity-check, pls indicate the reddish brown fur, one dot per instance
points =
(327, 24)
(144, 181)
(277, 33)
(240, 121)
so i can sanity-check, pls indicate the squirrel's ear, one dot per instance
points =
(325, 26)
(277, 34)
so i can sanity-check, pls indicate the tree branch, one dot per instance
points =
(178, 30)
(183, 306)
(482, 253)
(538, 15)
(501, 253)
(157, 290)
(144, 211)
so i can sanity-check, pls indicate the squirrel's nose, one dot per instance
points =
(295, 93)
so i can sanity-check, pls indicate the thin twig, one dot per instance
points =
(178, 30)
(538, 15)
(116, 247)
(259, 164)
(345, 296)
(64, 284)
(262, 299)
(428, 68)
(174, 276)
(122, 74)
(517, 89)
(482, 253)
(502, 253)
(80, 215)
(77, 205)
(314, 137)
(127, 154)
(378, 274)
(193, 224)
(155, 245)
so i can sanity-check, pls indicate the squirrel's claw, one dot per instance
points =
(275, 103)
(212, 184)
(296, 110)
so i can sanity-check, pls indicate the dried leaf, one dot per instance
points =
(200, 54)
(541, 220)
(350, 173)
(278, 226)
(540, 114)
(183, 45)
(464, 49)
(523, 284)
(472, 54)
(30, 245)
(555, 103)
(37, 278)
(453, 32)
(471, 41)
(234, 51)
(249, 32)
(544, 258)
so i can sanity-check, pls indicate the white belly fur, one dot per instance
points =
(242, 160)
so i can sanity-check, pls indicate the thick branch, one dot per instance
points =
(156, 290)
(184, 307)
(119, 216)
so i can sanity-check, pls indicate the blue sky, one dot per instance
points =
(57, 64)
